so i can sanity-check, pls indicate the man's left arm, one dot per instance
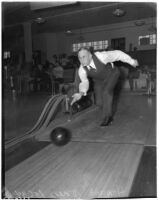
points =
(116, 55)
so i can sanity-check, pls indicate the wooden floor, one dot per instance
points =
(135, 122)
(97, 163)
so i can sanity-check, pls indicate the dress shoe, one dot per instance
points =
(107, 121)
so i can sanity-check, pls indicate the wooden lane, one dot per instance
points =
(100, 163)
(85, 170)
(44, 133)
(135, 123)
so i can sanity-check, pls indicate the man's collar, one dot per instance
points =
(92, 65)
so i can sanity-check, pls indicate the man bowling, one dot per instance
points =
(99, 66)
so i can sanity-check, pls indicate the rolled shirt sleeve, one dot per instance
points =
(84, 84)
(115, 55)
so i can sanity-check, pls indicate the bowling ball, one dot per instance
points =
(60, 136)
(82, 104)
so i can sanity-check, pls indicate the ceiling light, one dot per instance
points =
(69, 32)
(139, 23)
(40, 20)
(118, 12)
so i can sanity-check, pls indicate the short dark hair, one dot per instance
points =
(83, 48)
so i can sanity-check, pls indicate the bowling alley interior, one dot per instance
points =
(53, 148)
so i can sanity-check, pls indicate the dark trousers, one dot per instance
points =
(104, 92)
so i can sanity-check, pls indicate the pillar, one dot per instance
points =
(28, 42)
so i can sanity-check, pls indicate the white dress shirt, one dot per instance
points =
(105, 57)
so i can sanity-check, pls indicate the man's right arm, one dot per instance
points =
(84, 84)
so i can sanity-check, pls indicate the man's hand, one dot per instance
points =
(135, 63)
(76, 97)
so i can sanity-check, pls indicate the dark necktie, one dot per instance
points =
(90, 68)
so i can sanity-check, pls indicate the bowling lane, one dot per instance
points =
(77, 170)
(134, 122)
(100, 163)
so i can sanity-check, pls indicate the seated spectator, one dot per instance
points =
(49, 70)
(46, 65)
(41, 79)
(70, 62)
(23, 78)
(58, 75)
(58, 72)
(64, 60)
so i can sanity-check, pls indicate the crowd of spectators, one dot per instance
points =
(40, 76)
(48, 76)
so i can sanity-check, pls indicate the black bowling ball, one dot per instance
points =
(60, 136)
(82, 104)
